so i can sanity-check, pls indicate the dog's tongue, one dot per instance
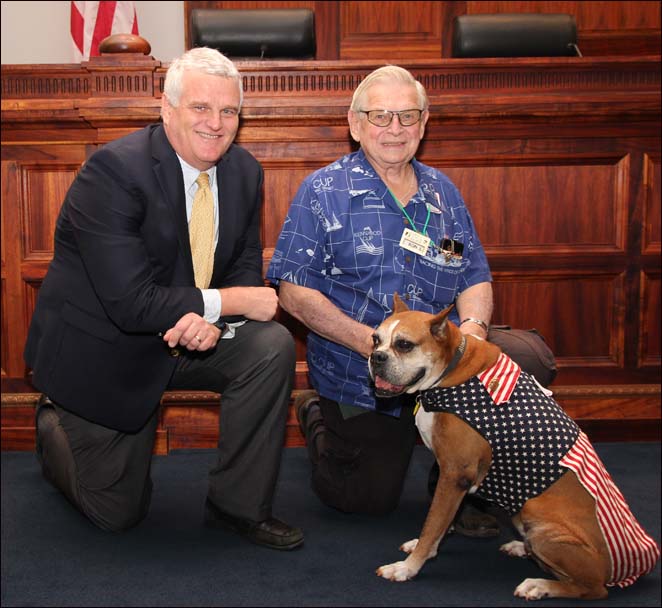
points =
(382, 385)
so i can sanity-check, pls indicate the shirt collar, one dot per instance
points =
(364, 179)
(191, 174)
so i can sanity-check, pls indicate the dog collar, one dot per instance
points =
(459, 351)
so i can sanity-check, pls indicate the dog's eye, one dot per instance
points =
(375, 340)
(404, 346)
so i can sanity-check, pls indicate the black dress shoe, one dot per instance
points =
(271, 532)
(302, 404)
(311, 423)
(474, 522)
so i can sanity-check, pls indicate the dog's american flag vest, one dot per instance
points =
(533, 442)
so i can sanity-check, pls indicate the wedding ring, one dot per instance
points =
(198, 338)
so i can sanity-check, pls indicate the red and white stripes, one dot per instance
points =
(501, 378)
(633, 552)
(91, 22)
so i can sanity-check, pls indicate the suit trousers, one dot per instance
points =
(360, 462)
(106, 473)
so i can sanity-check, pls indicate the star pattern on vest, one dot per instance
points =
(529, 434)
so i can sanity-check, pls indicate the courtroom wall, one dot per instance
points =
(559, 161)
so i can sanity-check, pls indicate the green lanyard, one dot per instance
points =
(427, 219)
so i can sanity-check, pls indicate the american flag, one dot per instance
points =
(632, 551)
(91, 22)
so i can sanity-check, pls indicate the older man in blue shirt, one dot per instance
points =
(342, 237)
(373, 223)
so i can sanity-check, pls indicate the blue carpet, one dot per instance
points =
(51, 555)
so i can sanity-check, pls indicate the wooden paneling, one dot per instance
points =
(280, 185)
(415, 29)
(650, 326)
(653, 195)
(4, 327)
(390, 29)
(13, 309)
(44, 188)
(558, 160)
(576, 311)
(537, 195)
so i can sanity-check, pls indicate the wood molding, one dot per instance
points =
(189, 419)
(100, 78)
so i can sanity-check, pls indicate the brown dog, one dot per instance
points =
(494, 430)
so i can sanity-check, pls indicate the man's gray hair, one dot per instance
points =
(386, 74)
(201, 59)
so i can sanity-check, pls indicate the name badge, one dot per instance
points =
(414, 242)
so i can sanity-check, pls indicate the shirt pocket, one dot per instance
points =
(438, 276)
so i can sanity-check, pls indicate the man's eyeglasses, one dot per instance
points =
(383, 118)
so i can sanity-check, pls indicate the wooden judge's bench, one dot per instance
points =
(558, 160)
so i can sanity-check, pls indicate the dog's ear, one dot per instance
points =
(398, 304)
(438, 323)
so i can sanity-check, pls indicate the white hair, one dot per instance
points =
(201, 59)
(388, 73)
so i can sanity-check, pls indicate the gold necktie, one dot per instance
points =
(201, 232)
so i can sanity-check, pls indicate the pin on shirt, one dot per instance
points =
(451, 248)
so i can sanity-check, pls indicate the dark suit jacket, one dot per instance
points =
(122, 273)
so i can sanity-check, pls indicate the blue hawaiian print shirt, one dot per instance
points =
(342, 238)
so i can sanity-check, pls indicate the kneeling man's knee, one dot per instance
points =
(114, 513)
(279, 343)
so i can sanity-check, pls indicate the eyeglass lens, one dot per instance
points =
(383, 118)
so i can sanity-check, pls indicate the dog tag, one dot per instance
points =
(414, 242)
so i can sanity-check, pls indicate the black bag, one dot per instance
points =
(527, 348)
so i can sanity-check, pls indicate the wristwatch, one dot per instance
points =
(476, 321)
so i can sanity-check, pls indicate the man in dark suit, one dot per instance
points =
(127, 310)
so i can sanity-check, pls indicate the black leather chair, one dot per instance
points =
(262, 33)
(515, 35)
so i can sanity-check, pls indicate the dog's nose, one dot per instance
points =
(378, 357)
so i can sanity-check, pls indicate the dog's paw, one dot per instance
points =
(409, 546)
(515, 548)
(399, 571)
(532, 589)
